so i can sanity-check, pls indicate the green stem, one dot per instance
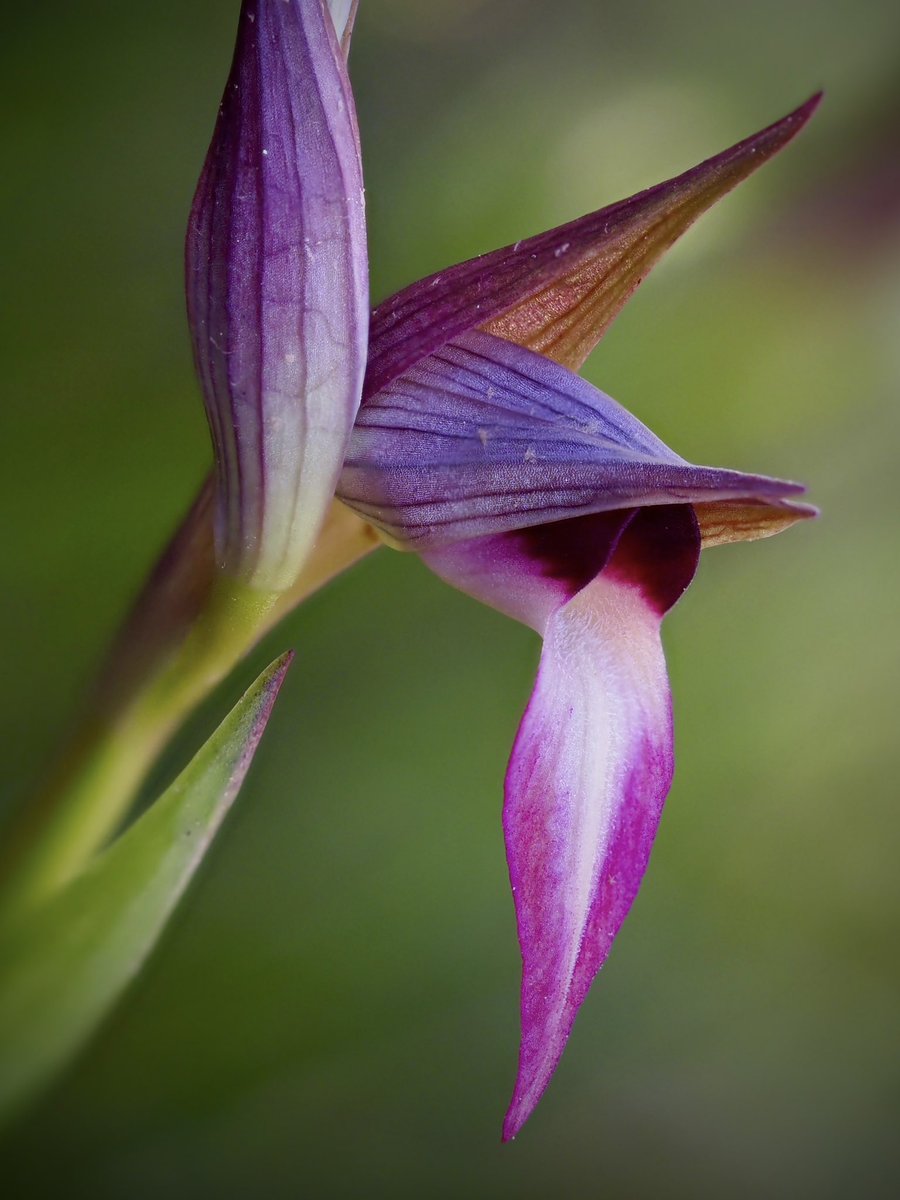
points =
(189, 627)
(93, 786)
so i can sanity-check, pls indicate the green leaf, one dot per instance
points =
(64, 965)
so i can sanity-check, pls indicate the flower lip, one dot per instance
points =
(592, 761)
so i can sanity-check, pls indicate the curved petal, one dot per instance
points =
(485, 436)
(592, 762)
(558, 292)
(277, 286)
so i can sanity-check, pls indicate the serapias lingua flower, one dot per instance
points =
(477, 447)
(516, 480)
(526, 487)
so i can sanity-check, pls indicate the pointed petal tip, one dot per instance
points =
(520, 1111)
(773, 137)
(512, 1124)
(725, 522)
(791, 123)
(807, 108)
(526, 1098)
(802, 512)
(770, 486)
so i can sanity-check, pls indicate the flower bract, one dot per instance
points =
(277, 286)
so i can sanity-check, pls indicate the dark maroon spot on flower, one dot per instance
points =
(575, 551)
(658, 552)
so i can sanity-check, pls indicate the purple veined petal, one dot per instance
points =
(277, 286)
(592, 762)
(484, 437)
(558, 292)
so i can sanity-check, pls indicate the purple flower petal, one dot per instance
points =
(592, 762)
(277, 286)
(558, 292)
(484, 437)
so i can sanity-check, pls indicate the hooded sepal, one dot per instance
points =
(277, 287)
(592, 762)
(484, 437)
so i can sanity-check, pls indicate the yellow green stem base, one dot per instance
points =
(142, 699)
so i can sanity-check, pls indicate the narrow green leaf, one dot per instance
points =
(64, 965)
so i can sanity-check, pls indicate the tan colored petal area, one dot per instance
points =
(722, 522)
(567, 318)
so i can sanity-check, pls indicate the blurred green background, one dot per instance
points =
(334, 1013)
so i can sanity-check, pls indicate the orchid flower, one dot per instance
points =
(523, 485)
(453, 425)
(478, 447)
